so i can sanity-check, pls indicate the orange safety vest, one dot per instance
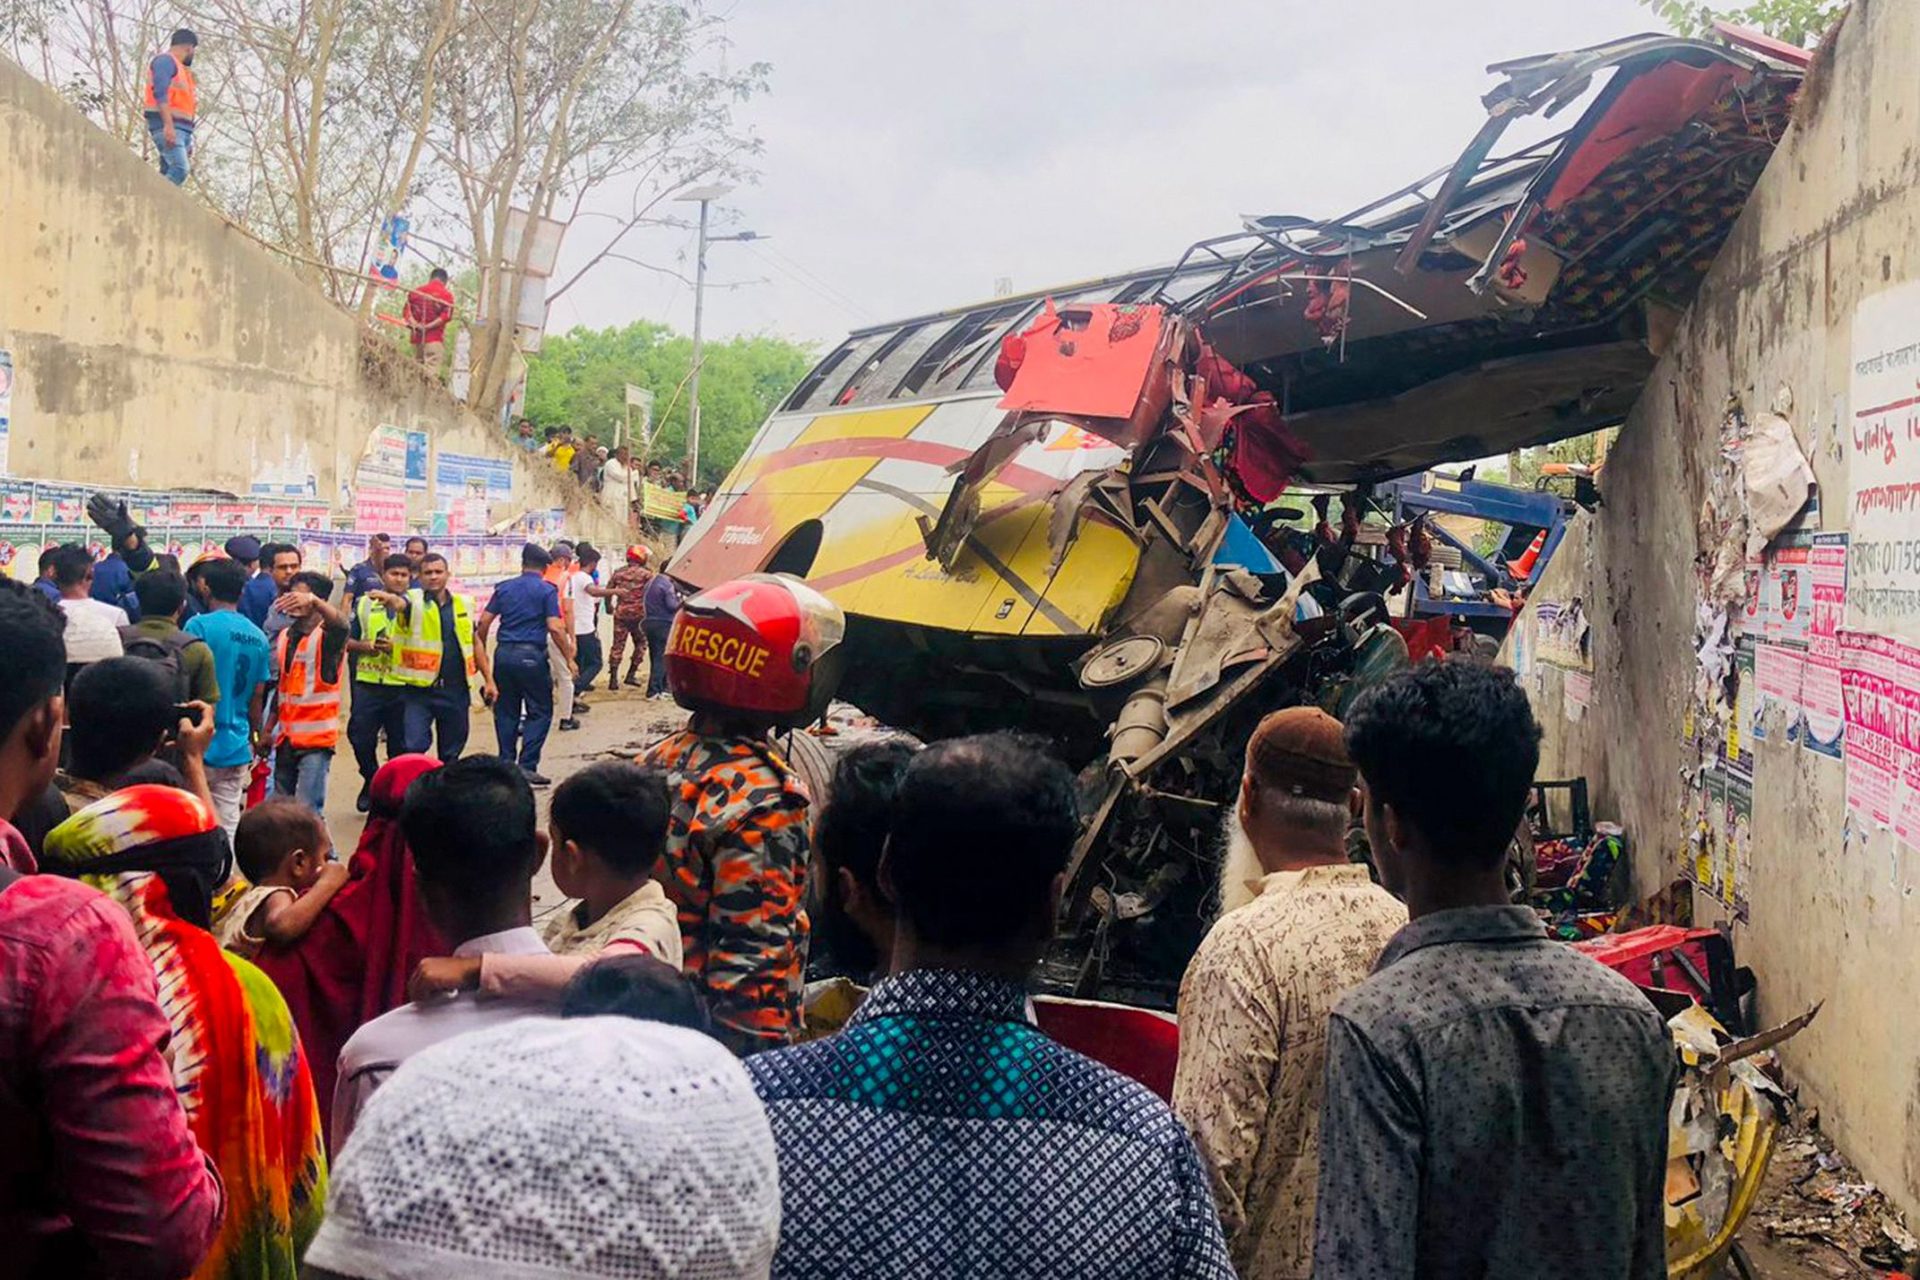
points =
(183, 96)
(309, 703)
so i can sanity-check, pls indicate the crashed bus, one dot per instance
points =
(1138, 513)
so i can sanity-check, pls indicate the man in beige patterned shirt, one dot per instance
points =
(1255, 1000)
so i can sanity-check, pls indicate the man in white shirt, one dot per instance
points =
(93, 628)
(583, 595)
(476, 846)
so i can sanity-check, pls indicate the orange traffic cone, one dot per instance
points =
(1522, 569)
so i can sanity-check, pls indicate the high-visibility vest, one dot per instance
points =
(376, 624)
(183, 96)
(309, 702)
(421, 647)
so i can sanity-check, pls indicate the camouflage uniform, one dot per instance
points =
(630, 582)
(736, 869)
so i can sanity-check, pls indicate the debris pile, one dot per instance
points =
(1829, 1217)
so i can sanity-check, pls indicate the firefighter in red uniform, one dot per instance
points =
(745, 657)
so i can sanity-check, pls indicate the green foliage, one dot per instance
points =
(580, 378)
(1523, 465)
(1800, 22)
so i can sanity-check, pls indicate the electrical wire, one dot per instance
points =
(817, 279)
(825, 293)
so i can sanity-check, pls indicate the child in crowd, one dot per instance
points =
(608, 833)
(285, 853)
(630, 985)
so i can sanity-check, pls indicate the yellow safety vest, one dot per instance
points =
(375, 623)
(422, 647)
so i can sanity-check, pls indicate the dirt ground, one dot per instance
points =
(618, 727)
(1819, 1219)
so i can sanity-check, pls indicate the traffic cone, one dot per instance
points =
(1522, 569)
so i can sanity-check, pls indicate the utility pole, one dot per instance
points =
(699, 311)
(705, 196)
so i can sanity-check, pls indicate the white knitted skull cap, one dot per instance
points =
(541, 1148)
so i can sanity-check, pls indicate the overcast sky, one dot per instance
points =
(915, 152)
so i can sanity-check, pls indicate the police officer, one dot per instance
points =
(438, 659)
(527, 611)
(378, 702)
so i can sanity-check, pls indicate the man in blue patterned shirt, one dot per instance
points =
(1496, 1102)
(941, 1134)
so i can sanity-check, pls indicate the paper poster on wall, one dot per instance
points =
(1778, 673)
(1740, 726)
(1882, 435)
(416, 461)
(1823, 717)
(1737, 848)
(16, 502)
(1576, 694)
(1880, 695)
(384, 464)
(379, 510)
(457, 476)
(6, 410)
(62, 504)
(1561, 634)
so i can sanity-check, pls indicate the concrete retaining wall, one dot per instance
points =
(156, 346)
(1833, 910)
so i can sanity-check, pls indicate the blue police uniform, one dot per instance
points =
(521, 607)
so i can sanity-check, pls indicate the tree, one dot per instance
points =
(1800, 22)
(320, 119)
(547, 101)
(579, 379)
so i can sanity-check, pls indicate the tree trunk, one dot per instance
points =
(403, 186)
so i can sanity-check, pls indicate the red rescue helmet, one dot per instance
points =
(763, 646)
(638, 553)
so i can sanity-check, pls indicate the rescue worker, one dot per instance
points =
(171, 101)
(307, 656)
(745, 657)
(628, 587)
(437, 662)
(379, 702)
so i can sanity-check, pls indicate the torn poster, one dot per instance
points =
(1576, 693)
(1778, 671)
(1561, 634)
(1883, 464)
(1778, 477)
(1711, 837)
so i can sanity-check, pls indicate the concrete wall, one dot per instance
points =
(156, 346)
(1833, 912)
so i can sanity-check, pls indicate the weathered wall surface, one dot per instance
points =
(157, 347)
(1833, 911)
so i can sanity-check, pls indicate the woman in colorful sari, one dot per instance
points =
(352, 965)
(160, 853)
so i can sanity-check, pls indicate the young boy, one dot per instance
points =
(284, 851)
(608, 832)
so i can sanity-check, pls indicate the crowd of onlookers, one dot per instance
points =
(221, 1056)
(612, 473)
